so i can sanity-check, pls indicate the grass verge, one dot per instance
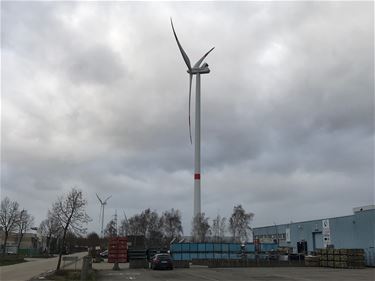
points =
(6, 260)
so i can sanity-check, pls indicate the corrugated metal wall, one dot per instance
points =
(370, 256)
(354, 231)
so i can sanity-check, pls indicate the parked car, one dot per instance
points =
(151, 252)
(104, 254)
(11, 252)
(162, 261)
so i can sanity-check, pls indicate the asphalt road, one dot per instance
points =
(33, 267)
(241, 274)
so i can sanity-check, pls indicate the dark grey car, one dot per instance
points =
(162, 261)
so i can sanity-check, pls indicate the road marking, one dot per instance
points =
(114, 274)
(200, 277)
(131, 275)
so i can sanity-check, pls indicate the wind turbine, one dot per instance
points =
(196, 70)
(102, 203)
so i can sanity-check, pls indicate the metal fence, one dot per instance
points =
(28, 252)
(190, 251)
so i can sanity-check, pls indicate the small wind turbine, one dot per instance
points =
(102, 203)
(197, 70)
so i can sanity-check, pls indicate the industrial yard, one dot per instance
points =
(228, 274)
(187, 140)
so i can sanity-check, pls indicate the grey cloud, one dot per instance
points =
(95, 65)
(95, 95)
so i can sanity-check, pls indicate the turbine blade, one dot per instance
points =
(99, 198)
(184, 55)
(191, 78)
(105, 201)
(202, 58)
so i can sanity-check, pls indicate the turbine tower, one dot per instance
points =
(196, 70)
(102, 203)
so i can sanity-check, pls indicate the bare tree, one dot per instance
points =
(147, 224)
(154, 235)
(222, 228)
(70, 241)
(157, 229)
(140, 224)
(9, 216)
(124, 227)
(171, 226)
(135, 225)
(111, 229)
(93, 239)
(239, 224)
(25, 222)
(50, 228)
(70, 212)
(201, 228)
(218, 228)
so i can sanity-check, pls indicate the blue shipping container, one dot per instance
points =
(234, 247)
(209, 247)
(217, 247)
(193, 247)
(249, 248)
(185, 247)
(201, 247)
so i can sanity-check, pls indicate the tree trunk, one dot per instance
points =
(19, 242)
(60, 255)
(62, 246)
(48, 244)
(5, 242)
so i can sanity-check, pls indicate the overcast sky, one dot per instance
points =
(95, 95)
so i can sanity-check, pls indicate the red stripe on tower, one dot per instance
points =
(197, 176)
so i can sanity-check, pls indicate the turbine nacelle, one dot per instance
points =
(201, 70)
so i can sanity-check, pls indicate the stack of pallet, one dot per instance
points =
(342, 258)
(118, 250)
(312, 261)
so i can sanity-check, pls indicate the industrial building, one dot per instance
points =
(29, 243)
(353, 231)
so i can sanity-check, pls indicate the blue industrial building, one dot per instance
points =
(353, 231)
